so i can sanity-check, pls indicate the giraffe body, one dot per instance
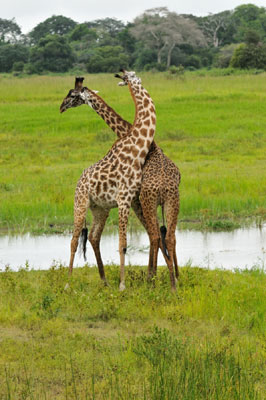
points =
(116, 179)
(159, 186)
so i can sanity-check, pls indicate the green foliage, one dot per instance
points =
(249, 56)
(154, 41)
(9, 31)
(179, 71)
(12, 53)
(52, 53)
(80, 32)
(55, 25)
(248, 17)
(252, 38)
(89, 341)
(107, 58)
(193, 61)
(107, 26)
(18, 66)
(224, 56)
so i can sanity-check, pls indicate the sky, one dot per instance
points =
(29, 13)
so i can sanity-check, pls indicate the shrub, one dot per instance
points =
(224, 56)
(248, 56)
(18, 66)
(179, 71)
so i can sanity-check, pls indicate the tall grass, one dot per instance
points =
(93, 342)
(212, 127)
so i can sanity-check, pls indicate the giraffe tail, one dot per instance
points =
(163, 231)
(83, 242)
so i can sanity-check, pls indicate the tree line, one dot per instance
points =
(157, 39)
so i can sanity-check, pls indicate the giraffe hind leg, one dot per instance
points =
(79, 221)
(149, 209)
(171, 212)
(100, 216)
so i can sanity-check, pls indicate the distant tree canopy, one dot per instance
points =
(56, 25)
(10, 54)
(164, 30)
(52, 53)
(251, 54)
(156, 39)
(9, 31)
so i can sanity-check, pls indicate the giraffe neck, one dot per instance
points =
(145, 117)
(120, 126)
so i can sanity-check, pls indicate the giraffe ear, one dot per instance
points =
(95, 91)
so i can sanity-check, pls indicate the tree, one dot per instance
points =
(10, 32)
(224, 56)
(214, 25)
(52, 53)
(81, 32)
(180, 31)
(107, 59)
(10, 54)
(55, 25)
(249, 55)
(162, 30)
(110, 26)
(249, 17)
(147, 27)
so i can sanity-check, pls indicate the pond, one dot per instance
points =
(241, 248)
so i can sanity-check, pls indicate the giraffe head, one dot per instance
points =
(128, 77)
(78, 96)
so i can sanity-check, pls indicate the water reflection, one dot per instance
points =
(242, 248)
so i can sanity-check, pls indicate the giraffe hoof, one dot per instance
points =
(122, 286)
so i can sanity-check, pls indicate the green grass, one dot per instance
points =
(93, 342)
(213, 127)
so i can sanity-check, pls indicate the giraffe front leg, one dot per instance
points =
(123, 211)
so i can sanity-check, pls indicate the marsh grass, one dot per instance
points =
(93, 342)
(213, 127)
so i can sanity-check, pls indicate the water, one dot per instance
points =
(242, 248)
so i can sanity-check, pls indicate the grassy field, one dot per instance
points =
(93, 342)
(212, 127)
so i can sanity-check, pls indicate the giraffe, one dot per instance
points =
(115, 180)
(160, 180)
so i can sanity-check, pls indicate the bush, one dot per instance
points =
(10, 54)
(30, 69)
(193, 61)
(18, 66)
(248, 56)
(178, 71)
(224, 56)
(155, 67)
